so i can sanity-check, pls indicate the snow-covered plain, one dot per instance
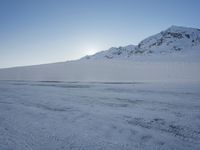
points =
(99, 115)
(137, 97)
(108, 70)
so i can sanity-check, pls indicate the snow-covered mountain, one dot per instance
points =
(170, 56)
(113, 52)
(173, 40)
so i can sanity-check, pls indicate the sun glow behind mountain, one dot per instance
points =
(90, 47)
(91, 50)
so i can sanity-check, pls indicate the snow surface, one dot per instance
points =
(96, 116)
(101, 70)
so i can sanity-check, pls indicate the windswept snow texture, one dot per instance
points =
(99, 116)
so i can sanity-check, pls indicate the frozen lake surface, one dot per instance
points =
(99, 116)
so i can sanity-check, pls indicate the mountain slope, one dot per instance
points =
(113, 52)
(173, 40)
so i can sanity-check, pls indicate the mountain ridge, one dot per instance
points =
(172, 40)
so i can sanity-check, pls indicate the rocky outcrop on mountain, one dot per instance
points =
(172, 40)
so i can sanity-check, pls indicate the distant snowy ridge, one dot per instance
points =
(173, 40)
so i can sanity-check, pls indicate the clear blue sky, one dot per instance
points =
(44, 31)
